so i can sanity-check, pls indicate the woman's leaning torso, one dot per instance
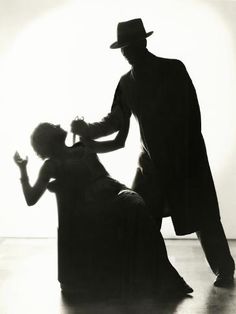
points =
(81, 173)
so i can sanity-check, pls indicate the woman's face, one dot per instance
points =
(47, 138)
(58, 132)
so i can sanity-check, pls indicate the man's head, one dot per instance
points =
(131, 38)
(134, 53)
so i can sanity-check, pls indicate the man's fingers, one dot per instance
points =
(73, 125)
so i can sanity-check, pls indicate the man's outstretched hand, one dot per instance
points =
(80, 127)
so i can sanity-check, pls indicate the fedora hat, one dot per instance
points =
(129, 32)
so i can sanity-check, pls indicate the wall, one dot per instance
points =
(52, 52)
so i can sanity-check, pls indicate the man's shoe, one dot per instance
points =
(224, 281)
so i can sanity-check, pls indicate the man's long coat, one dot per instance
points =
(173, 176)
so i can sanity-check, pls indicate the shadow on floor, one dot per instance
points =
(104, 305)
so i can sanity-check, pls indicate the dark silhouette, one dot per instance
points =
(107, 242)
(173, 174)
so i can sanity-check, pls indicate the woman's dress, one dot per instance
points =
(107, 241)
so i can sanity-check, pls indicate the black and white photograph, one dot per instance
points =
(118, 132)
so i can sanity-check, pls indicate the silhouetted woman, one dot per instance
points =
(107, 242)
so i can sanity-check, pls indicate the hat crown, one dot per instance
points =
(130, 30)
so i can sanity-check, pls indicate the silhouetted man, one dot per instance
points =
(173, 175)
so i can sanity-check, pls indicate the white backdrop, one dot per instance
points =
(52, 51)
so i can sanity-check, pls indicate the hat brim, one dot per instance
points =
(117, 44)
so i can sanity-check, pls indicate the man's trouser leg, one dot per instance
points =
(167, 270)
(216, 248)
(155, 201)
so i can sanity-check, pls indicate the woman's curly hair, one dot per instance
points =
(44, 140)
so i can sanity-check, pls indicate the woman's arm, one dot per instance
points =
(33, 193)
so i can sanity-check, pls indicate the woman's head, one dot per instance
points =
(47, 139)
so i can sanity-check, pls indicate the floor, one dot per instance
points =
(28, 285)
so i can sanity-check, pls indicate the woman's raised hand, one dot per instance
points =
(20, 161)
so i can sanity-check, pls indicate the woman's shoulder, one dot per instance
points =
(49, 167)
(78, 149)
(78, 145)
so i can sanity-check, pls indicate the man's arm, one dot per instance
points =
(193, 108)
(108, 146)
(113, 122)
(108, 125)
